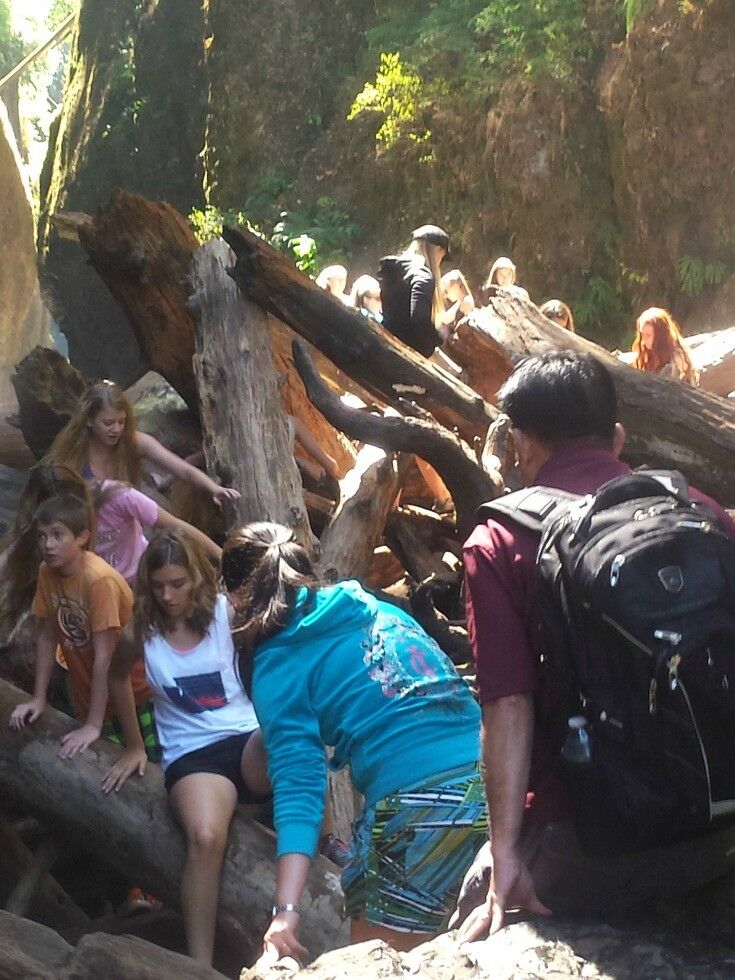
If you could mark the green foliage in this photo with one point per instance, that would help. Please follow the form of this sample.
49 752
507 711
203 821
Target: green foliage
633 9
599 309
534 36
696 275
12 47
59 11
312 240
396 95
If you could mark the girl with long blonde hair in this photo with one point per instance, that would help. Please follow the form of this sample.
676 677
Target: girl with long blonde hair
101 442
660 348
502 276
410 287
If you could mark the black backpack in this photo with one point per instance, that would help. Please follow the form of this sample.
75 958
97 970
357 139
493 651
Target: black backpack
636 590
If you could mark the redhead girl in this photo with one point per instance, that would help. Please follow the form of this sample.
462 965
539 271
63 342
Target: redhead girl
212 752
660 348
334 666
101 442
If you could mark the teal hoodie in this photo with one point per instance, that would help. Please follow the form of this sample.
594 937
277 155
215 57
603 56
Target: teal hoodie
358 674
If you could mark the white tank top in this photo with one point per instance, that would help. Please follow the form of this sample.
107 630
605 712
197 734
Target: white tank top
197 697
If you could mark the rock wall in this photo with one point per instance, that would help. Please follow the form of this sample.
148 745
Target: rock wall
23 319
599 183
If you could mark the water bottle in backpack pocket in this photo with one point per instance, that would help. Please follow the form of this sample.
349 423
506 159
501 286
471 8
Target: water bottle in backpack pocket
637 593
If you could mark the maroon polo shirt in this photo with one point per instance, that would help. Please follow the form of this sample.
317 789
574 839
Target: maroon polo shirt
503 624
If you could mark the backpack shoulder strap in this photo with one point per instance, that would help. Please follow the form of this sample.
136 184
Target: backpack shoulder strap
532 508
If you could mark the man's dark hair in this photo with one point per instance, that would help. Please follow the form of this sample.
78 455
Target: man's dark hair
67 510
561 396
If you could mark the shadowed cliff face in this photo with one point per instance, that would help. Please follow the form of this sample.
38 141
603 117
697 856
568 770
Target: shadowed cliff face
598 186
668 95
132 117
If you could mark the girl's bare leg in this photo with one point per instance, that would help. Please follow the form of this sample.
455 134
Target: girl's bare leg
204 804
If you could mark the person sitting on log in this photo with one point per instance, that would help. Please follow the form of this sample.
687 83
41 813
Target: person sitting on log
101 442
365 297
213 756
458 299
660 347
563 408
502 277
334 280
560 313
334 666
413 304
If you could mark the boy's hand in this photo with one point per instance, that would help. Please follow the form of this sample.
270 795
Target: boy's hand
132 760
78 740
26 714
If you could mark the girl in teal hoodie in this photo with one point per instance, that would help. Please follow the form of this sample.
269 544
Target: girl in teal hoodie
334 666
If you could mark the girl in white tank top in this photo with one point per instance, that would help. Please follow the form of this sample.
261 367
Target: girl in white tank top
213 756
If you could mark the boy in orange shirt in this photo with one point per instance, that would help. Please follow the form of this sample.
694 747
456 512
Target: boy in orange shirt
84 604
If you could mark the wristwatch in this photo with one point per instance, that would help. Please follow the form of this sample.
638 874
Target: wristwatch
287 907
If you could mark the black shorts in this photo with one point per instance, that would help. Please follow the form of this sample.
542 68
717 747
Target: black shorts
222 758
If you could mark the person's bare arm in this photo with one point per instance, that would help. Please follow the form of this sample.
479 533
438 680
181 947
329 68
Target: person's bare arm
165 519
80 739
26 713
152 449
281 937
311 445
134 759
507 738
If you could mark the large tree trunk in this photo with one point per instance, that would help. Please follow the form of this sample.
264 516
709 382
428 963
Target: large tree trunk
134 833
143 251
360 347
369 492
467 482
47 388
245 433
669 424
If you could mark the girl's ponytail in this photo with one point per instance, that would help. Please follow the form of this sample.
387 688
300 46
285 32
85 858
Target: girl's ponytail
263 568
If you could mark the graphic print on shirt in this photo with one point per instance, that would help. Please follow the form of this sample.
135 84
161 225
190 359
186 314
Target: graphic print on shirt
198 692
73 622
406 661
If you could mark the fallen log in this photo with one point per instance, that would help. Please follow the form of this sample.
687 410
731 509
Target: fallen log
143 250
713 355
468 484
356 344
133 832
245 434
369 491
668 424
47 388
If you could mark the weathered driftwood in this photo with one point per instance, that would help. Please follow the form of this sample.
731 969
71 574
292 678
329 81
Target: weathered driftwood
47 388
32 951
143 251
245 433
385 569
357 345
713 355
669 424
134 833
468 484
369 492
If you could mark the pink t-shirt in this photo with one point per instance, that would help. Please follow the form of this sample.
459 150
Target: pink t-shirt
120 522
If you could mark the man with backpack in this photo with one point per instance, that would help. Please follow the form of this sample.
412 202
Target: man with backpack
624 631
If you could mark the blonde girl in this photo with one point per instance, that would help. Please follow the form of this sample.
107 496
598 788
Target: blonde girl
101 442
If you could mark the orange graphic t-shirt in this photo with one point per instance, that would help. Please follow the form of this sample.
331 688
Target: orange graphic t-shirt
97 598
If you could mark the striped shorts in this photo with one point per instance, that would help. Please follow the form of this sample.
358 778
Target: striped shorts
410 852
112 730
